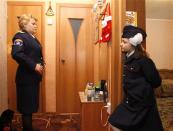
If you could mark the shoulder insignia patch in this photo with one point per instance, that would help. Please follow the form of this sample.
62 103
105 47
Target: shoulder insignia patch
18 42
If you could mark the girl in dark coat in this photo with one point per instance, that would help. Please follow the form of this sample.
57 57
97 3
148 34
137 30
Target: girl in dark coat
27 52
138 110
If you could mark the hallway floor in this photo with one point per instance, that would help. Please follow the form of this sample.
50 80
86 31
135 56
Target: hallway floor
51 122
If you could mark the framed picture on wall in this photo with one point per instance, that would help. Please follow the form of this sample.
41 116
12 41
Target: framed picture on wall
131 18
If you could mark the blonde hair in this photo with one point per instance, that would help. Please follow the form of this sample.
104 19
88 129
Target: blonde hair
24 20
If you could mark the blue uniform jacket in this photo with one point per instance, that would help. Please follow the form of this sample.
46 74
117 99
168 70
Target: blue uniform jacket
26 50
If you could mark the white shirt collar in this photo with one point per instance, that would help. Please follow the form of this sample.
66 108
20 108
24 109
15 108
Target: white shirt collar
131 53
32 35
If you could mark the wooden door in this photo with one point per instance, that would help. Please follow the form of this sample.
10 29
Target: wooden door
15 9
139 7
74 55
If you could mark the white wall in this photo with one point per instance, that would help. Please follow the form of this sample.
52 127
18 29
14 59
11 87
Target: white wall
3 57
160 42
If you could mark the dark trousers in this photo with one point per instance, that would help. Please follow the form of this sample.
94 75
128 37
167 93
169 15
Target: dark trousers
27 122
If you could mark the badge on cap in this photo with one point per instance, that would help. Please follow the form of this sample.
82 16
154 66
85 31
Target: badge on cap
18 42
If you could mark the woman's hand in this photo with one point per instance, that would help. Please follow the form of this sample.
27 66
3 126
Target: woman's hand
39 68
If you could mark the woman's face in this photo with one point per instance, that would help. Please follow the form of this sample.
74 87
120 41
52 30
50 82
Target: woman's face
126 46
31 26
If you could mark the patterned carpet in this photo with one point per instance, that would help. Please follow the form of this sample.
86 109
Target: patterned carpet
165 99
165 107
51 122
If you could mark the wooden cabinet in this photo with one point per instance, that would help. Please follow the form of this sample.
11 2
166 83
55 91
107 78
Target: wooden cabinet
91 115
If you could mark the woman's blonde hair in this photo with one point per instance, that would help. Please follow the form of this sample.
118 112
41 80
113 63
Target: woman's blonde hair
24 19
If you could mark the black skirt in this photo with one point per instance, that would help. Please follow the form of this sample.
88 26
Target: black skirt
27 98
136 119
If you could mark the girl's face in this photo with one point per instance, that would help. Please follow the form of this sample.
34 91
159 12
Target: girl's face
126 47
31 26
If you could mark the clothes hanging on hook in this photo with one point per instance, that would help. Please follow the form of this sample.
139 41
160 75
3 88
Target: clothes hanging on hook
106 25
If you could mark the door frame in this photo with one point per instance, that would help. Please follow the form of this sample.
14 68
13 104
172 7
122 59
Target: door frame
118 9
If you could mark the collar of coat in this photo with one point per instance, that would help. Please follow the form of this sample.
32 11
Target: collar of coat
130 58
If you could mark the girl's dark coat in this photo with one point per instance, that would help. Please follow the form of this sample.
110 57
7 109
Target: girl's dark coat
138 110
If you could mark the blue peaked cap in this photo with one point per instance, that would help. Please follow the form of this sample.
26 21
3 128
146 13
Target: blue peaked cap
130 31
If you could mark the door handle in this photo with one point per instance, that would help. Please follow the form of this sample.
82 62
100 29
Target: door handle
63 61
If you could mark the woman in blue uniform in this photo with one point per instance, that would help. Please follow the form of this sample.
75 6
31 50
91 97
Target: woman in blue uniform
138 109
27 52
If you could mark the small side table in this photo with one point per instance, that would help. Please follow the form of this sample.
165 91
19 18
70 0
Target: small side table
91 114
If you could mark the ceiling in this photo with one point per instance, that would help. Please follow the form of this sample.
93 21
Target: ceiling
159 9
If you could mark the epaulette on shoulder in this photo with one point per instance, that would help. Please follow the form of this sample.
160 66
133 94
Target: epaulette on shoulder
19 34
